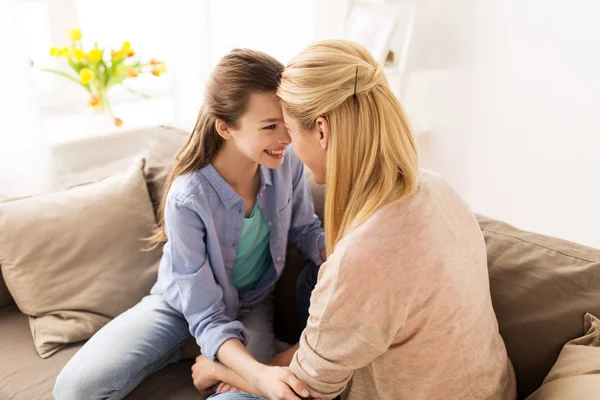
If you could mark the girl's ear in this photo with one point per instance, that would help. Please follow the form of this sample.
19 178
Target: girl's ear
222 129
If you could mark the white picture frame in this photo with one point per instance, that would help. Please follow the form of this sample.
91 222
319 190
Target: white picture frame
372 28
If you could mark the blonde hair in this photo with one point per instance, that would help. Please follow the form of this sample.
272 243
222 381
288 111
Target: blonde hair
238 74
372 157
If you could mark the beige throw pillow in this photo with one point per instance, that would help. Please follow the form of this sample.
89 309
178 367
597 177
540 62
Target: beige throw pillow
580 356
73 260
576 373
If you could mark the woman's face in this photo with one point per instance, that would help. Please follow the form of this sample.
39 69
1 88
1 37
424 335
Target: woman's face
260 134
310 145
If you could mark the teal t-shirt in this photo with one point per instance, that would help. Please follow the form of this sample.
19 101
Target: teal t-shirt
253 253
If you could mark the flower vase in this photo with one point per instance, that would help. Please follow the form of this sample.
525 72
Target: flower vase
100 113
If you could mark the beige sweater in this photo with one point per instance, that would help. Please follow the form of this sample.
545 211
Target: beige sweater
402 308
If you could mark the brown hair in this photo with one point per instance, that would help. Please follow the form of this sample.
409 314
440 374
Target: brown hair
238 74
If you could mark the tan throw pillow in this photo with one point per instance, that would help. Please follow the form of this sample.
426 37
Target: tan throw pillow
73 260
580 356
582 387
576 373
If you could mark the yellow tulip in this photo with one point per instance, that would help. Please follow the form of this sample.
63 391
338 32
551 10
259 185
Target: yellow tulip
132 73
94 55
94 101
86 75
74 34
78 54
126 47
55 52
159 69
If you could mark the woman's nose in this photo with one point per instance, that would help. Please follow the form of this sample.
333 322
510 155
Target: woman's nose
284 137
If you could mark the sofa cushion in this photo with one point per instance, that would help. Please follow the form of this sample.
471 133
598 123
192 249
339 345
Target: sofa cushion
73 260
25 376
580 356
541 289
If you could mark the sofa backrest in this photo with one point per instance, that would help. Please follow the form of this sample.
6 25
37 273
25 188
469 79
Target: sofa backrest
541 289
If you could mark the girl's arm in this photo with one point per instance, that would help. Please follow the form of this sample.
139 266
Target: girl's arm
195 286
218 335
271 382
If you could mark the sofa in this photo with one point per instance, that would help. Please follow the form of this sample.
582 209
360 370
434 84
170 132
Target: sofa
545 291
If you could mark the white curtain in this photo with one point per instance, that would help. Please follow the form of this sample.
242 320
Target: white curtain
25 166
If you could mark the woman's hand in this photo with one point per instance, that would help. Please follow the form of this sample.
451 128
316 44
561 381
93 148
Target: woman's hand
277 383
203 375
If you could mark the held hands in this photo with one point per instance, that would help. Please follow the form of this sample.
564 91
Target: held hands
203 375
277 383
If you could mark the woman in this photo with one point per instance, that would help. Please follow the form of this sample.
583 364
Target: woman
402 307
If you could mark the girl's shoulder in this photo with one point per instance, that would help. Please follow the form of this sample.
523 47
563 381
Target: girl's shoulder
188 186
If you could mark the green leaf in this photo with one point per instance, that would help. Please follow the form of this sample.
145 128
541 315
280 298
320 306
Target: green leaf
144 95
68 76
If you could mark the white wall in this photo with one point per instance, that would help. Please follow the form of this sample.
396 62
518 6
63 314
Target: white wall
521 141
534 155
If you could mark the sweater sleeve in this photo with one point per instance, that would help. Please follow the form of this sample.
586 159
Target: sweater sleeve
354 317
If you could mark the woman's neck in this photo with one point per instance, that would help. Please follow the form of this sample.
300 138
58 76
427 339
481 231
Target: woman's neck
239 171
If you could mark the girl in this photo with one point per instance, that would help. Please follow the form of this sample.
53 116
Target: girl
235 199
402 307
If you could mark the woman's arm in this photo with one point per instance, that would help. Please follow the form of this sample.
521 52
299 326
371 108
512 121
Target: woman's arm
354 319
271 382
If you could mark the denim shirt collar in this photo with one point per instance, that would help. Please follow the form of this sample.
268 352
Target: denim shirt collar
228 196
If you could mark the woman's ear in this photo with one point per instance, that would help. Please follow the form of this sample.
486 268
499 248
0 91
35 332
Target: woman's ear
323 129
222 129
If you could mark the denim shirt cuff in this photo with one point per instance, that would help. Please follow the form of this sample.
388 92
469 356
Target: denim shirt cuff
231 330
319 244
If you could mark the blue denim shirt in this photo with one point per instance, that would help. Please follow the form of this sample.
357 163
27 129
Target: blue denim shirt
203 221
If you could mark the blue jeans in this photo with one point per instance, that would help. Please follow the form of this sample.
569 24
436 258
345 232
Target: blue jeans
236 396
142 341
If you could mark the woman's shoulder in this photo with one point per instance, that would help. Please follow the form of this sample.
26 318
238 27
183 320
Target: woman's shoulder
418 223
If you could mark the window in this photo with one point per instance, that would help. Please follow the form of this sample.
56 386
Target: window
44 23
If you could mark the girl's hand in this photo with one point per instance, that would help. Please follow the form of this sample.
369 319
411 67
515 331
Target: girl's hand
284 358
203 375
324 255
226 387
277 383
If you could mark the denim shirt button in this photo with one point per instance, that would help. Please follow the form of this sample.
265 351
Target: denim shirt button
279 259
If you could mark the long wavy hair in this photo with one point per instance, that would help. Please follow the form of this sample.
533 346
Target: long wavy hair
237 75
372 157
